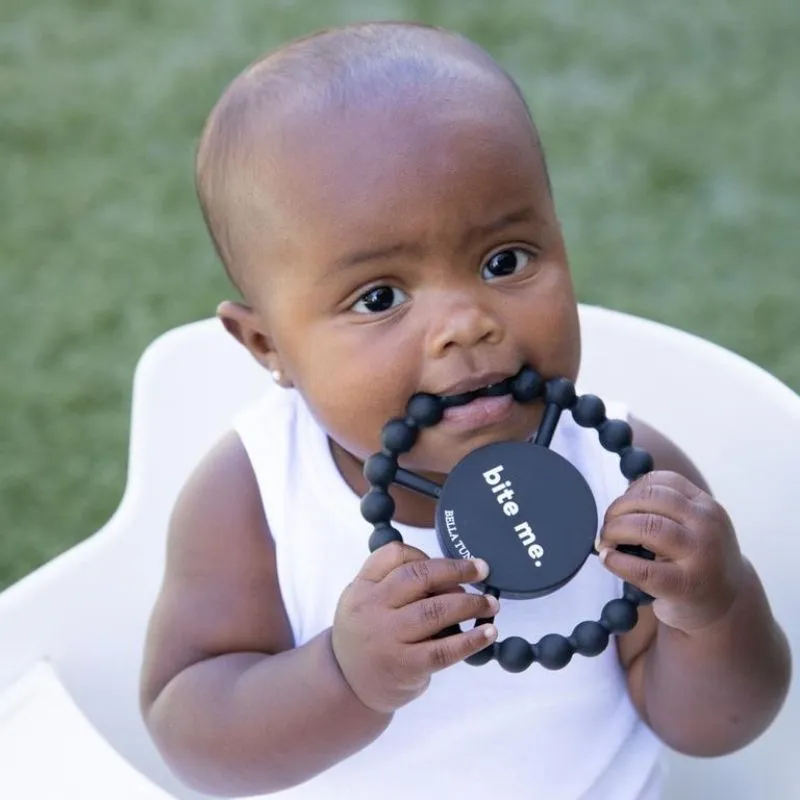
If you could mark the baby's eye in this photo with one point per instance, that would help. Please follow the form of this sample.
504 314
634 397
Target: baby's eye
381 298
506 262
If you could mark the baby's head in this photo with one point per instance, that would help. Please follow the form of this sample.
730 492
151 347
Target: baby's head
380 198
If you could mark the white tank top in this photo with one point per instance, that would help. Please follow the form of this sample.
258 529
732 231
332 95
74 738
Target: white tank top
570 734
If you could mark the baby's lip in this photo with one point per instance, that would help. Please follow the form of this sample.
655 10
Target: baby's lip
487 384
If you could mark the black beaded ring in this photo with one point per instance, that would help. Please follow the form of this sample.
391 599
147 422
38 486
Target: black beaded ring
560 503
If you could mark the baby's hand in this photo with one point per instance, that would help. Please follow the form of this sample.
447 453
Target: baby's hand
698 569
387 617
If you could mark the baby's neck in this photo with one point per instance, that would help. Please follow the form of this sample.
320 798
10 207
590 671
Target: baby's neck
410 508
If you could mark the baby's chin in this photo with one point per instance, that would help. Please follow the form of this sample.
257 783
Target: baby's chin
436 459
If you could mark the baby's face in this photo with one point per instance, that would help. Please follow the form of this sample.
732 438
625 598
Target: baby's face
414 251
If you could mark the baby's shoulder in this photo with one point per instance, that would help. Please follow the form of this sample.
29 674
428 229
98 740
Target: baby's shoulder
219 502
667 455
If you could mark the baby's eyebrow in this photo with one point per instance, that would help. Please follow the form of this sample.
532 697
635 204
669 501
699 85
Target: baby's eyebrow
414 250
407 249
484 230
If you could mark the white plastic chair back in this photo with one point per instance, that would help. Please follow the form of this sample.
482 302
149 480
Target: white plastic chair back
87 610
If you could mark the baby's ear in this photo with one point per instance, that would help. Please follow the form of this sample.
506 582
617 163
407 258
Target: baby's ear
245 325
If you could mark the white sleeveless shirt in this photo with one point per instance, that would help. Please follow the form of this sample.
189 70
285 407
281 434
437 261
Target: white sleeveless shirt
569 734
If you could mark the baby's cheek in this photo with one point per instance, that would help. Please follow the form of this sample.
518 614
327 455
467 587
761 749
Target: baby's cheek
355 413
563 351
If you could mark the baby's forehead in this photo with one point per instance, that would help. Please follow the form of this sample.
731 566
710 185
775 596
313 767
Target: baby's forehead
283 110
380 130
346 74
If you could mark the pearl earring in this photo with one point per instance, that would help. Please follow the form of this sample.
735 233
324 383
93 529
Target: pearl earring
276 375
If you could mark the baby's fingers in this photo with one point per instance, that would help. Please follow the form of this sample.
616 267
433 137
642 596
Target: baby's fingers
651 496
438 654
418 579
660 579
387 558
428 617
662 536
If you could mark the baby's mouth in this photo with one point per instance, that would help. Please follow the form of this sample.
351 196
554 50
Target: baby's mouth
496 389
494 392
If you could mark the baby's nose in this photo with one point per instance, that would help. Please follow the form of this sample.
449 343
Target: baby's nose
462 322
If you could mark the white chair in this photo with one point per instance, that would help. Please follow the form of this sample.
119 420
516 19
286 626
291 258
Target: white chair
86 611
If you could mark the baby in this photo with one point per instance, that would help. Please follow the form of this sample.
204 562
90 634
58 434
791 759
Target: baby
379 197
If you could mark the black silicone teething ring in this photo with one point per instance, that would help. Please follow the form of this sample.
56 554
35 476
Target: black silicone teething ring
540 513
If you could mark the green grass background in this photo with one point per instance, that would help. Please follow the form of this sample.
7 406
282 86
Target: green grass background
672 131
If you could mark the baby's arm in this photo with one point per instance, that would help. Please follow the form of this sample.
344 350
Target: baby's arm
706 686
232 705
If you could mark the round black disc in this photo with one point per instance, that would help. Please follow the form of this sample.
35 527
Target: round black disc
525 510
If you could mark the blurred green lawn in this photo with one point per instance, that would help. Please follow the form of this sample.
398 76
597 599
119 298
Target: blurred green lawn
672 131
